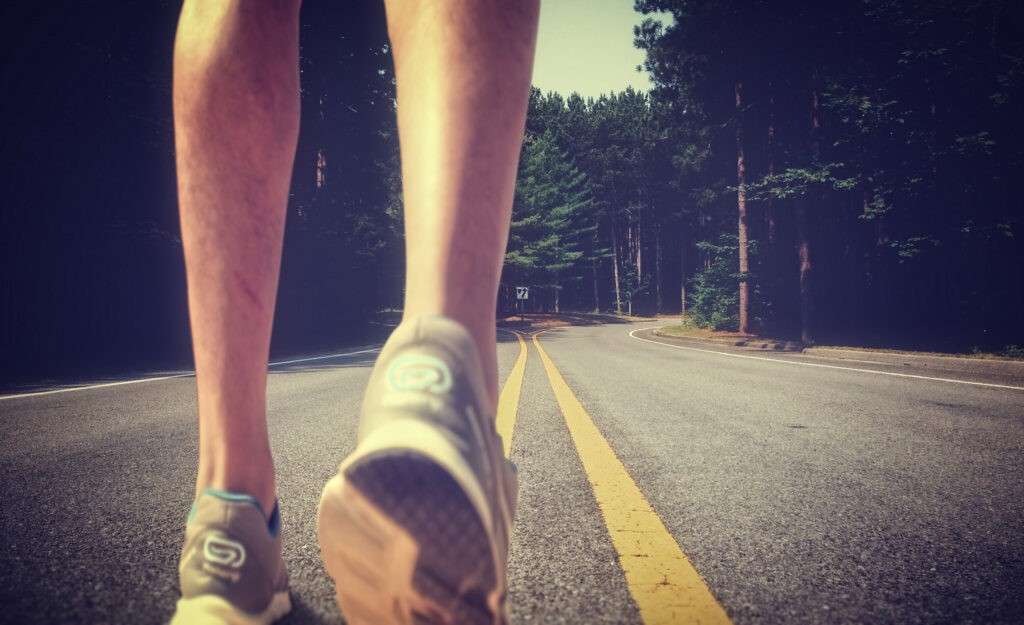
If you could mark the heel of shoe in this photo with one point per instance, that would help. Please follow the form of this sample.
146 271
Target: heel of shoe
404 544
369 556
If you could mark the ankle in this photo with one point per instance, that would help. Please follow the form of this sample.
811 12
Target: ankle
260 488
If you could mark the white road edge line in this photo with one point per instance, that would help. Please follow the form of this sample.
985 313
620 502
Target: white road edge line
177 375
92 386
289 362
813 364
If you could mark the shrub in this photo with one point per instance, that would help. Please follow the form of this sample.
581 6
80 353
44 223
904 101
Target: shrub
714 300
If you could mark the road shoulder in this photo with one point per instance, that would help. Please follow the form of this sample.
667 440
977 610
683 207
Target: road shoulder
983 371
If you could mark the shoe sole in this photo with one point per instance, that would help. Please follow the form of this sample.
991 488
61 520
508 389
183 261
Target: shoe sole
211 609
405 544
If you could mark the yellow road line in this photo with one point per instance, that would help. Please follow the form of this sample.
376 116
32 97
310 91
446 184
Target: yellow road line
666 587
508 401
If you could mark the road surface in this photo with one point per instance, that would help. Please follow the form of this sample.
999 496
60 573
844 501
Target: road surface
800 490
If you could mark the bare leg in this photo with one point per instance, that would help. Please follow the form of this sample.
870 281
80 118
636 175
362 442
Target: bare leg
236 115
463 72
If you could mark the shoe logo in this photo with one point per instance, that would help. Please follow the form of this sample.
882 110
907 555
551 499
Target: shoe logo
419 373
224 551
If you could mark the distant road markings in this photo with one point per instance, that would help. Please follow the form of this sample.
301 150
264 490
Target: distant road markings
666 587
177 375
508 401
814 364
291 362
92 386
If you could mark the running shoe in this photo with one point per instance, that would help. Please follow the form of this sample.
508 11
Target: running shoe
231 569
415 527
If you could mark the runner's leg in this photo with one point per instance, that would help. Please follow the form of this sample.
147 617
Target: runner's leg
236 115
463 73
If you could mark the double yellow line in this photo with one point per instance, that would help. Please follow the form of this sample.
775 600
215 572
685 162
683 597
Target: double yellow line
665 586
508 401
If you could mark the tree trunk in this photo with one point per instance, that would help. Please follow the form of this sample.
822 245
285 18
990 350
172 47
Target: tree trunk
741 202
657 270
806 294
682 276
772 225
803 236
771 258
880 294
597 290
615 270
639 258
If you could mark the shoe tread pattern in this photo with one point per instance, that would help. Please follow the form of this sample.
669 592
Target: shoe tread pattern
455 568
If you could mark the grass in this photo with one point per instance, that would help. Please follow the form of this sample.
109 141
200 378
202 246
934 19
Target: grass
687 329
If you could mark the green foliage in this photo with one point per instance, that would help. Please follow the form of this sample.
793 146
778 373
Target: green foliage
1013 351
909 248
713 295
797 182
881 149
632 284
876 134
549 228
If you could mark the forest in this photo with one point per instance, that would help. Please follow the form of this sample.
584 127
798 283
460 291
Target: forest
835 172
830 173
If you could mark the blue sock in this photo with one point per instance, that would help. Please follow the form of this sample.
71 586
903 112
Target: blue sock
273 521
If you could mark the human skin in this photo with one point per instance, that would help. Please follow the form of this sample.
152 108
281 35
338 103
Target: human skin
463 75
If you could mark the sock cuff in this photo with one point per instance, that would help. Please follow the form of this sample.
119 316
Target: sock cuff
273 519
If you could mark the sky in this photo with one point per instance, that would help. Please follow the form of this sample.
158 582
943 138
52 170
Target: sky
587 46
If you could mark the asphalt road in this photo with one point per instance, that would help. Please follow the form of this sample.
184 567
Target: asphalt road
801 494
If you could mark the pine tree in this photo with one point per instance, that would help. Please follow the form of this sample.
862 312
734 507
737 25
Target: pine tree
549 238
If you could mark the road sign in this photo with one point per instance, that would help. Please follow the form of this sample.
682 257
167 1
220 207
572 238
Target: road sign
522 292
